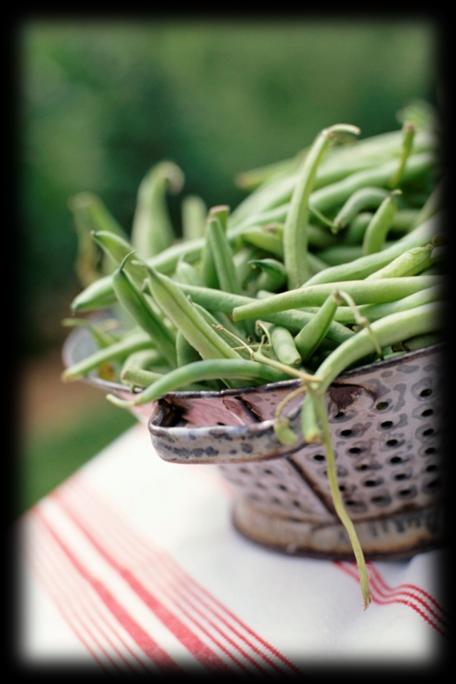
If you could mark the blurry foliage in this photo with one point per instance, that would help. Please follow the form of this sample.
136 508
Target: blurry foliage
102 102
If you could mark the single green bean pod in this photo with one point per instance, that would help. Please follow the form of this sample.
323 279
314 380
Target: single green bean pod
310 337
118 248
200 371
404 220
101 336
295 239
90 211
119 350
184 351
266 239
408 136
194 213
284 346
362 291
272 274
365 198
223 257
410 263
380 224
143 360
432 205
186 273
90 214
135 303
152 231
175 305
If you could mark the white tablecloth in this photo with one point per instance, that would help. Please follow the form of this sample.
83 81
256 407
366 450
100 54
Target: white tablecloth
133 563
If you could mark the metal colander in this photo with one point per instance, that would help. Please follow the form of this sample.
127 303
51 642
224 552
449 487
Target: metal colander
385 428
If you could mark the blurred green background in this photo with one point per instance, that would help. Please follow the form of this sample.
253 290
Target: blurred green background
101 102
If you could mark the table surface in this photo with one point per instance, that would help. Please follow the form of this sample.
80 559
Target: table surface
133 564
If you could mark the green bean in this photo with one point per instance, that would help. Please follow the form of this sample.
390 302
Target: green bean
90 210
129 344
101 337
309 338
203 370
431 206
363 292
340 254
98 295
278 214
408 136
207 269
373 312
184 351
223 257
118 249
337 500
309 422
152 231
90 214
214 300
365 198
380 224
231 336
136 305
320 217
404 220
412 262
175 305
143 359
420 341
136 369
295 239
316 263
139 377
186 273
266 240
242 260
365 265
221 213
272 274
320 238
388 330
284 346
193 217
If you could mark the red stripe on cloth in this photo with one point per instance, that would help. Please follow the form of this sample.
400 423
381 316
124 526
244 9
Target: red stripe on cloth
203 653
67 614
412 587
181 591
138 634
86 621
378 598
80 592
400 591
76 483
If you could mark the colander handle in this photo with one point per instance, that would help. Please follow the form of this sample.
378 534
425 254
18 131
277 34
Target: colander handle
244 440
240 443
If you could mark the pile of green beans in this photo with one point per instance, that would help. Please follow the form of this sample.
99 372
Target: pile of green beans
332 257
